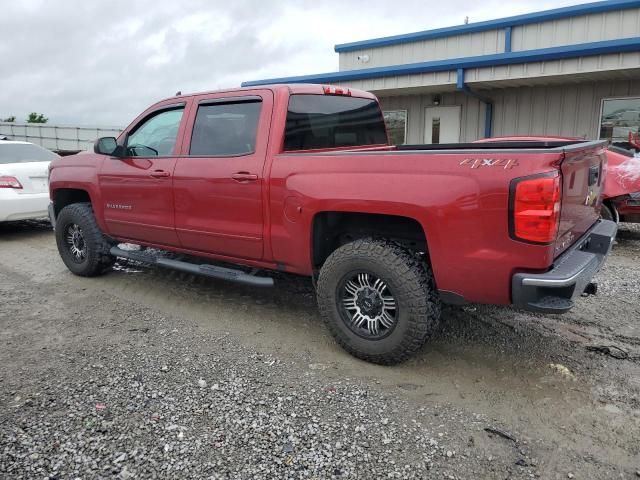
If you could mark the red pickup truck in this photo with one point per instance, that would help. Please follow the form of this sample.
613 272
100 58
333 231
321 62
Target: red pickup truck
302 179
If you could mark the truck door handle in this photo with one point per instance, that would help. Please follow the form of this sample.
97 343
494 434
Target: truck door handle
244 177
159 174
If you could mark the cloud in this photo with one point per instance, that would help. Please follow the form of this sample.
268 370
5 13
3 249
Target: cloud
102 62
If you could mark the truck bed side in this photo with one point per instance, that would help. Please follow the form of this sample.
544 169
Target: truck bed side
459 197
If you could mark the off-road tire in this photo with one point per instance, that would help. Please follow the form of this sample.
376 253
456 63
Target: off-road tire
97 259
408 277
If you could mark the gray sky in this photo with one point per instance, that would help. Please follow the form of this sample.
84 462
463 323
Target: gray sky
101 62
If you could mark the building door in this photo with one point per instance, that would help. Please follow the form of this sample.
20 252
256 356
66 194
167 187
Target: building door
442 124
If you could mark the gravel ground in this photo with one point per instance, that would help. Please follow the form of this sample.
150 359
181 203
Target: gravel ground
146 373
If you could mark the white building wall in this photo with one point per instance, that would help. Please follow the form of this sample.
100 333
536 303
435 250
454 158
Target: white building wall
574 30
399 82
568 31
456 46
567 70
569 67
471 121
570 110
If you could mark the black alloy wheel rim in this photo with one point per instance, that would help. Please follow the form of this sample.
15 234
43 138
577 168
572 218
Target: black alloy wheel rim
75 242
367 305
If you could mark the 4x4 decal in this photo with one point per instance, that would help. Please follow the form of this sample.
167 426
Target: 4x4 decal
506 163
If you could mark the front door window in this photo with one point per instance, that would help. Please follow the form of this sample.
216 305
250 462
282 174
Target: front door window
156 136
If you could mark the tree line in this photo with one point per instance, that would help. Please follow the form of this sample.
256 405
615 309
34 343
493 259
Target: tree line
33 117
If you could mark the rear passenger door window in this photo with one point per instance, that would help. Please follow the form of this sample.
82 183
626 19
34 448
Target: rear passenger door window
226 128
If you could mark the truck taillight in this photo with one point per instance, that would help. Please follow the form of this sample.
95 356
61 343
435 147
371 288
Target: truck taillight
9 182
535 208
336 91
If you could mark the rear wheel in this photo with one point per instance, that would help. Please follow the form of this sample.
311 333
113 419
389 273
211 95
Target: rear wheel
606 213
378 300
82 246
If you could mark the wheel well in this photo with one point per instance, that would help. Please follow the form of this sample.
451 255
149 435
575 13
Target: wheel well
334 229
611 205
67 196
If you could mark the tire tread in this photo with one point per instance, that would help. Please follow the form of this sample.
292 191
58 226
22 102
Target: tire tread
414 277
99 259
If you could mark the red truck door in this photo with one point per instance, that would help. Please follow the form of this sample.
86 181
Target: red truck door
137 188
218 180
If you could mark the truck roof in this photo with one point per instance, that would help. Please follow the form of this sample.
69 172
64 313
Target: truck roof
292 89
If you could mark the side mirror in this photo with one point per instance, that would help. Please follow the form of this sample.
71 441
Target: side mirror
106 146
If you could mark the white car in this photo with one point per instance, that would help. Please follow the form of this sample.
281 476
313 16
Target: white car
24 184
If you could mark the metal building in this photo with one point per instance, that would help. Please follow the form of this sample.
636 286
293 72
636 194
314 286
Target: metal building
569 71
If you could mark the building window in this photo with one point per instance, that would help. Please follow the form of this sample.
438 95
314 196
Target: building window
396 121
435 130
618 117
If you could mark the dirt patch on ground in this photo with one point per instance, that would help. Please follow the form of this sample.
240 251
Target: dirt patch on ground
149 373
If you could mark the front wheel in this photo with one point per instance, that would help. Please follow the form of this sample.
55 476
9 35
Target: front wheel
378 300
82 246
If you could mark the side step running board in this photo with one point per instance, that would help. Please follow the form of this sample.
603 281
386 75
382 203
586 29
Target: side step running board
206 270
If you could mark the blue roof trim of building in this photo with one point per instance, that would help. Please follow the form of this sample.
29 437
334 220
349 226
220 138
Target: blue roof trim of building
507 38
556 13
507 58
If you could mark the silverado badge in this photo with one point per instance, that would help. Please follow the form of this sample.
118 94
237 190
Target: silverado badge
118 206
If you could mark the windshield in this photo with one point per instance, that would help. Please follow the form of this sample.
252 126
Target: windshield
328 121
24 153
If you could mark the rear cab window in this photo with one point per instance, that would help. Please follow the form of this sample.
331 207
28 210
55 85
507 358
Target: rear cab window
333 121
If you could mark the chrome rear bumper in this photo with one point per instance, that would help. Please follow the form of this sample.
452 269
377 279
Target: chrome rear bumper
555 291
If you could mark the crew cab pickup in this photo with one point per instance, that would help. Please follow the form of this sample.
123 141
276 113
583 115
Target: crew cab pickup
302 179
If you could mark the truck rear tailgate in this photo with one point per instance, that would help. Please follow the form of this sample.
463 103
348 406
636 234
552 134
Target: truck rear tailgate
583 170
